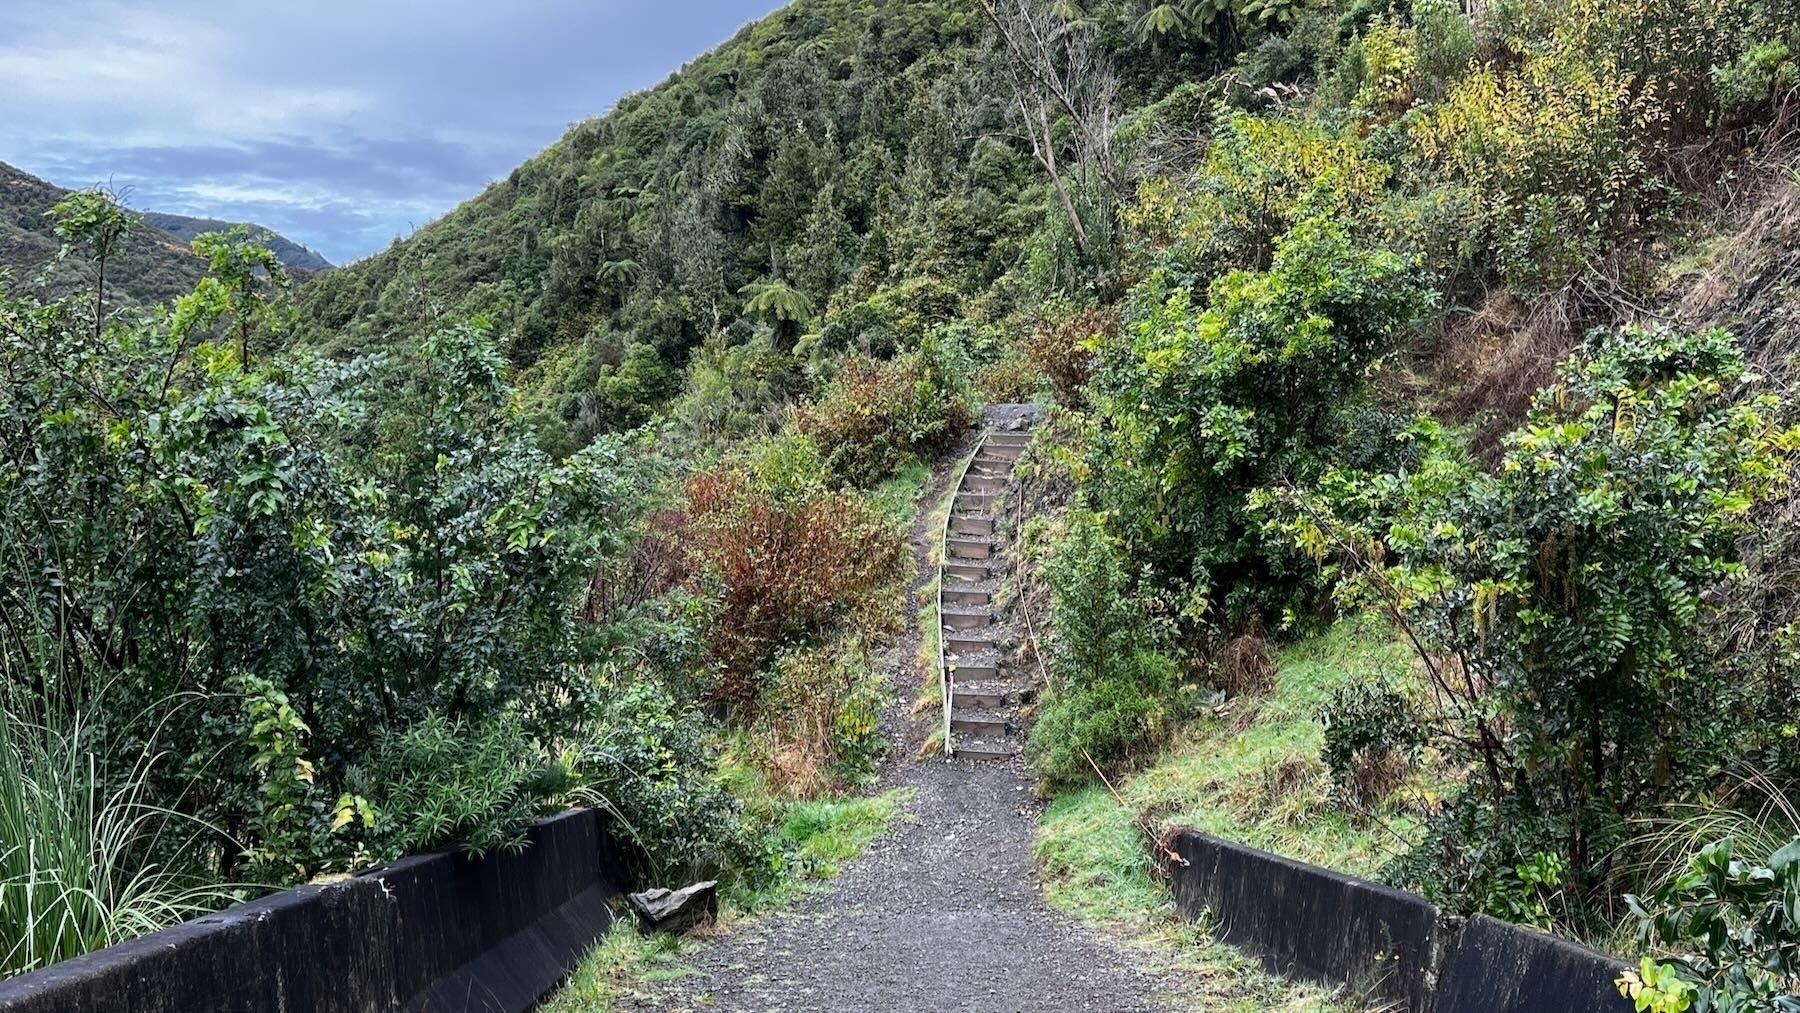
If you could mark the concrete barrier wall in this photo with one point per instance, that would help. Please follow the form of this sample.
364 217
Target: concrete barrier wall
1388 944
439 932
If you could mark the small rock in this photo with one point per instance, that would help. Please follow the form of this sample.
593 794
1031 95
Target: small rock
676 911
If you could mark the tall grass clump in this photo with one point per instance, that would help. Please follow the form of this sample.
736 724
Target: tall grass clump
86 859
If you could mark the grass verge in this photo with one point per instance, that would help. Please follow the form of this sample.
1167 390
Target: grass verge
1249 772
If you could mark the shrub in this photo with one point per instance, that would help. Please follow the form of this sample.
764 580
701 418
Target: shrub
1201 406
650 762
1011 378
791 565
1560 604
439 782
1372 737
1244 665
378 541
820 722
1736 925
875 415
1111 689
1063 351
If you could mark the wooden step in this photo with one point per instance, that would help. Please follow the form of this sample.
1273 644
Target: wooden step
966 642
966 524
977 698
968 569
978 666
985 749
968 596
974 502
985 483
978 724
993 468
967 619
968 548
1020 440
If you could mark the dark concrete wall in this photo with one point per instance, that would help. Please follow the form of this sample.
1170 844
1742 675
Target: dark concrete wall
1500 968
1391 945
1310 922
440 932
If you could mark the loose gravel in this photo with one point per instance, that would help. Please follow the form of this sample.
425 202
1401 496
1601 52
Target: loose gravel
943 913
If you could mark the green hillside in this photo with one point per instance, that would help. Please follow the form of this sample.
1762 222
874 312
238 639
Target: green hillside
1414 490
300 260
152 267
842 167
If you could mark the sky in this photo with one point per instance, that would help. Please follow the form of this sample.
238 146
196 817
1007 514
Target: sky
339 123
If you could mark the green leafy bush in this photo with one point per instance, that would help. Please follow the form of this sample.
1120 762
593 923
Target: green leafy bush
651 763
1112 692
821 719
1559 604
1735 925
1372 737
1203 405
308 554
476 783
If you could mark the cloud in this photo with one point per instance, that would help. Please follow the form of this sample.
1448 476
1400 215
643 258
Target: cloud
341 123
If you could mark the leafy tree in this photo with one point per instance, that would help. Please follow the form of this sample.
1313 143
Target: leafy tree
94 219
1559 605
1202 406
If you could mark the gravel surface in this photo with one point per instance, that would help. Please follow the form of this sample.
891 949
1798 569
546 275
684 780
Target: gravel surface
944 913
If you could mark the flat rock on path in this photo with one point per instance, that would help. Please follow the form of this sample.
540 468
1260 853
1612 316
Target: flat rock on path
943 913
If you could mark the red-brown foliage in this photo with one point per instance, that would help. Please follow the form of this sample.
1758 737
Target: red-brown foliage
1059 350
788 570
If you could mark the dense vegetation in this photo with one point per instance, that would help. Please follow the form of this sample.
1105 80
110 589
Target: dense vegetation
1353 314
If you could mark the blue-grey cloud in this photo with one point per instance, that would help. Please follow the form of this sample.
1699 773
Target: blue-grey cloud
341 123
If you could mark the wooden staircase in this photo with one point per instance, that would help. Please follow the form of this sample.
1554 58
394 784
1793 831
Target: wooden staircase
980 703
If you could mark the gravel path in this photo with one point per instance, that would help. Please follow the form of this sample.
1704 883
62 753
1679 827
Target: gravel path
944 912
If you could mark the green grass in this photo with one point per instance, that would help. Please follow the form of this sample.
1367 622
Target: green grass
815 838
898 497
618 968
1249 773
810 841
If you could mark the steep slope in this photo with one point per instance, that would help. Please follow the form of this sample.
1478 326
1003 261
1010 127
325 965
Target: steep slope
152 266
840 161
297 258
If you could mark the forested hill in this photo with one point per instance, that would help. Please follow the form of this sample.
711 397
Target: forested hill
155 263
301 260
843 167
151 266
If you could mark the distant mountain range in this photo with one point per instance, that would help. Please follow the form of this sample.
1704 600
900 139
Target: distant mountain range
292 254
156 263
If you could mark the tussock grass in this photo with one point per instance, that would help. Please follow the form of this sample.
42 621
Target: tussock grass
87 860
